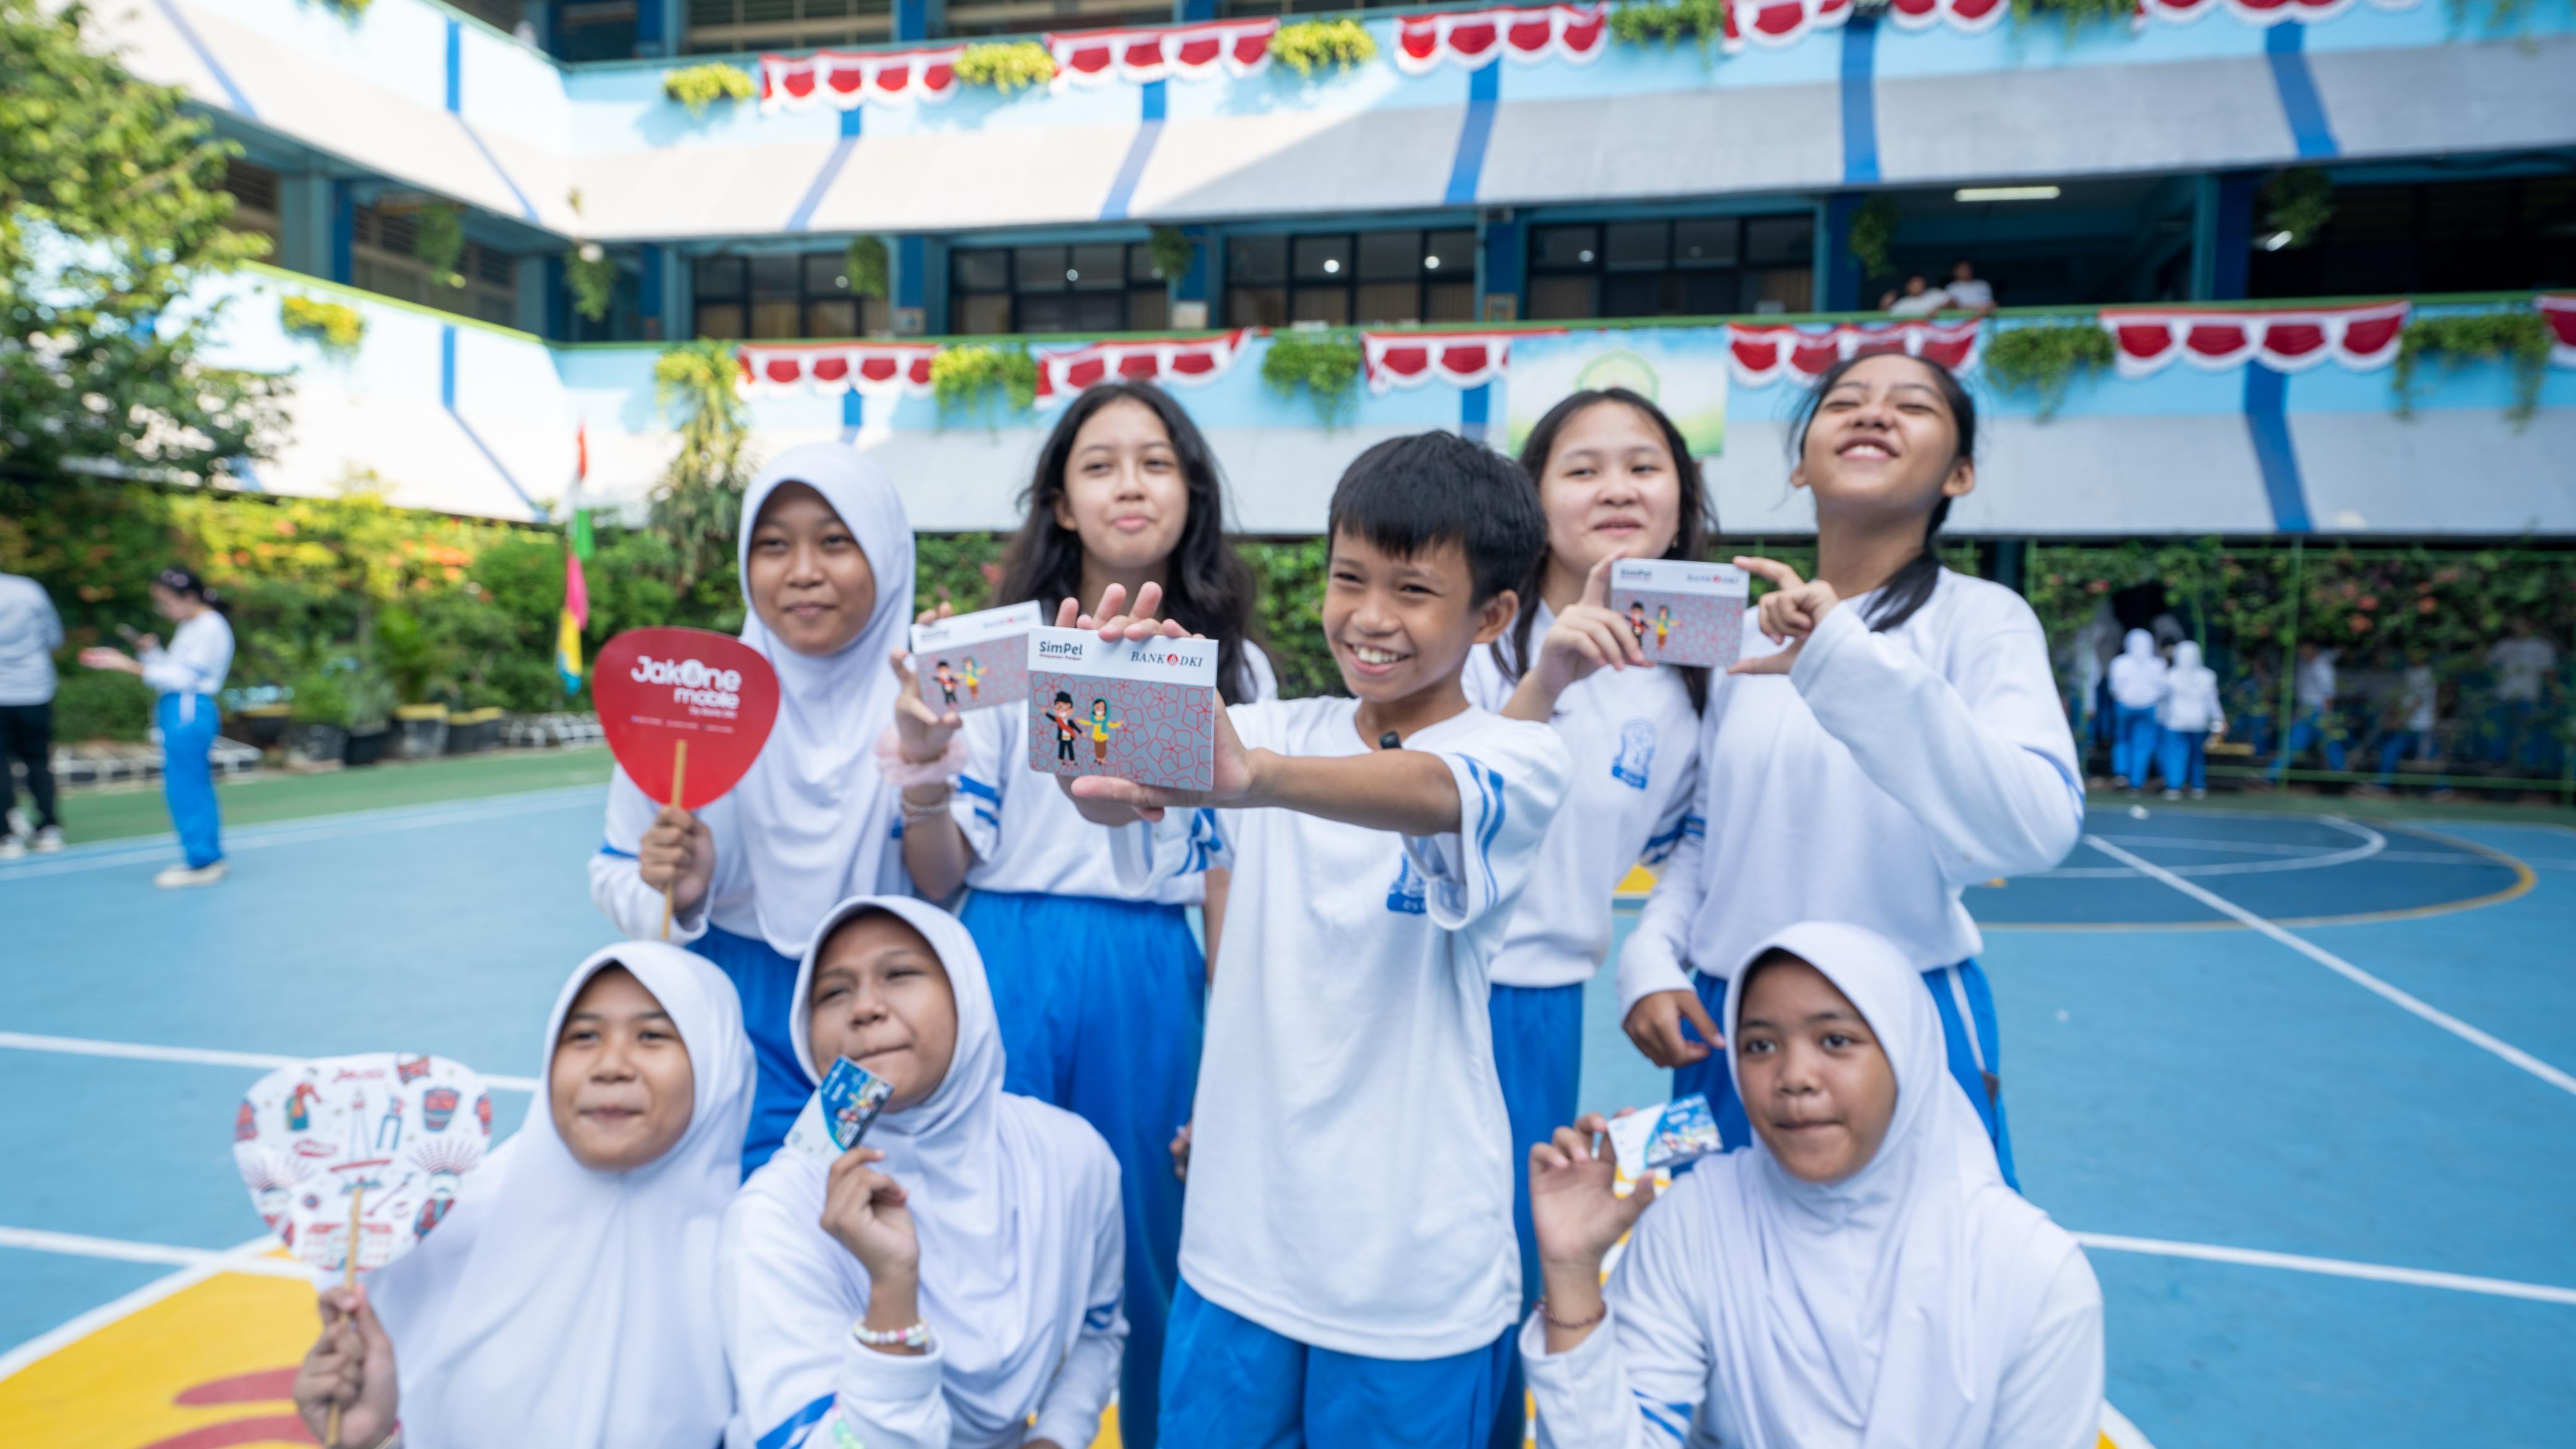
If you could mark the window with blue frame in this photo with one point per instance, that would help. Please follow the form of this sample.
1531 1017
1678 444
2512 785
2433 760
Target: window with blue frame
725 26
781 294
1702 266
1021 17
1351 278
2488 234
1087 287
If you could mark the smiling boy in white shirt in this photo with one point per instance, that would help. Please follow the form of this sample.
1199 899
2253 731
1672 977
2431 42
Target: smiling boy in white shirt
1347 1261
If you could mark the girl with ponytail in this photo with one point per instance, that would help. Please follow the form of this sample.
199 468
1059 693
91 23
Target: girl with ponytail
1891 737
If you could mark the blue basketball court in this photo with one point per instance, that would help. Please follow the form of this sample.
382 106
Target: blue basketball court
2300 1082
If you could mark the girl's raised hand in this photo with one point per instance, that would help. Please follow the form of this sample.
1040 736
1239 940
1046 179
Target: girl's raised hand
922 733
1115 621
351 1366
864 1211
1576 1215
1790 612
678 854
1587 636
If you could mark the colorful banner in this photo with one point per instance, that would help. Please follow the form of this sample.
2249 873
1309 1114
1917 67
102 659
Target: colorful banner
1682 371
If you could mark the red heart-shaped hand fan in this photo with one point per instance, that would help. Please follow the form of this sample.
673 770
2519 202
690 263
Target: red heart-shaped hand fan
658 689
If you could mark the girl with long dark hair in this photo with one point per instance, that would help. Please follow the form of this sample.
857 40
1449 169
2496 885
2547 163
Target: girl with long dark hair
1615 479
1101 993
1897 739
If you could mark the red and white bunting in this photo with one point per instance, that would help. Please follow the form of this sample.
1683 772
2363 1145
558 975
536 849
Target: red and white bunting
1165 361
1471 39
870 369
2261 13
1761 355
1774 23
1410 359
2363 339
843 79
2559 312
1190 52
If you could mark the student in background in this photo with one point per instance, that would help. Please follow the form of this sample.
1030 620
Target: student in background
1967 290
1892 718
2524 666
1101 989
954 1281
30 632
2415 714
2313 687
1860 1276
2187 719
826 560
1348 1274
569 1297
2137 687
1919 299
1615 480
186 677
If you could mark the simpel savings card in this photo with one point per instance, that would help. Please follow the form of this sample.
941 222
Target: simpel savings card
1681 612
975 661
1142 711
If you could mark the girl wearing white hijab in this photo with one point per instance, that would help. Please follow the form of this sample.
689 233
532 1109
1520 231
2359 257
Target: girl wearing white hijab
2137 687
1859 1277
568 1298
956 1279
2186 718
826 564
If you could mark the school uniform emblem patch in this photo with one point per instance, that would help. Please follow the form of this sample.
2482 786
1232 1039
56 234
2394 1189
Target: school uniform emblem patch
1635 764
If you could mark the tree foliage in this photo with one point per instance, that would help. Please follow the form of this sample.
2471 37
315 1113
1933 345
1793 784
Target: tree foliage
698 505
111 211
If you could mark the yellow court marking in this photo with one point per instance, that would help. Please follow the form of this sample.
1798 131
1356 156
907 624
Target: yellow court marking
209 1367
1638 882
2523 880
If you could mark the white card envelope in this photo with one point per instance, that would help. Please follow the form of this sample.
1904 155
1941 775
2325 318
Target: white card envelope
975 661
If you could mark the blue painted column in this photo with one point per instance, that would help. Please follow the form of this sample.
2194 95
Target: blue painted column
911 22
2222 232
1860 99
1194 288
344 230
2267 425
1475 412
1186 11
1499 268
1838 278
649 296
919 304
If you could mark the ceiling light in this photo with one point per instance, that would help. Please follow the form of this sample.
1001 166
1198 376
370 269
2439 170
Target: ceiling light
2005 193
1331 265
1071 275
2275 241
1583 256
1431 264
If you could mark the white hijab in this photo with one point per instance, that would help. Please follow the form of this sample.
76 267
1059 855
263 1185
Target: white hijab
996 1197
2138 676
572 1308
1882 1309
812 821
2188 673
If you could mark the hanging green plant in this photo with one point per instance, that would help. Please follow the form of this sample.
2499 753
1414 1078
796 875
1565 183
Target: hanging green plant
1324 363
336 329
351 9
438 241
1872 238
1307 46
700 86
965 379
2519 339
590 274
1006 66
1670 23
2045 358
2074 12
2297 204
1173 252
870 273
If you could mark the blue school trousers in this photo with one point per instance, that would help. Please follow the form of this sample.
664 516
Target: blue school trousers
1538 1054
766 982
188 775
1229 1383
1102 1005
1961 994
2308 729
2181 755
2133 743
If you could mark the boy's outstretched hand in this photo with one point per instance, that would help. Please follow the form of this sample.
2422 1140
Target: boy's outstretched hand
1104 800
1578 1218
1790 612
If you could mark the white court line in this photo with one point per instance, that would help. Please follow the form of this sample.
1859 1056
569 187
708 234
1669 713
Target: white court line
246 1258
44 1344
2332 962
199 1056
2331 1267
110 854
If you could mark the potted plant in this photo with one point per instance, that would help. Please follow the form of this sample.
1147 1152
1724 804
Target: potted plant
421 731
264 726
473 730
317 732
371 707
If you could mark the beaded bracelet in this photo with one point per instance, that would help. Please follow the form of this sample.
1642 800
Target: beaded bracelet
1553 1321
917 1336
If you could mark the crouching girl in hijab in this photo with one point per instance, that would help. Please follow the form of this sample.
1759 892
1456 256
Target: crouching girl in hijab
568 1298
955 1279
1859 1276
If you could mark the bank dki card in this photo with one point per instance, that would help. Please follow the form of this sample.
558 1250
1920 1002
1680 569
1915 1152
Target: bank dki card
839 1113
975 661
1142 711
1681 1130
1681 612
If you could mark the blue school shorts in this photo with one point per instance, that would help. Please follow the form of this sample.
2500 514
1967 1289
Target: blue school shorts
1229 1383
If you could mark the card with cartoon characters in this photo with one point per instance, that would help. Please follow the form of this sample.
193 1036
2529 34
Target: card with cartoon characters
975 661
1682 612
840 1112
406 1128
1142 711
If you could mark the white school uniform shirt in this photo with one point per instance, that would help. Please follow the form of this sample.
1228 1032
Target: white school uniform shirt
30 632
199 655
1930 301
2521 666
1632 744
1025 833
1015 1206
1351 1164
2190 705
1872 784
2314 681
2138 675
812 821
2420 694
1917 1304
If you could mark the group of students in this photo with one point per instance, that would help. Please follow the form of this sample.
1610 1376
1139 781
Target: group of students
2164 712
1324 1182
